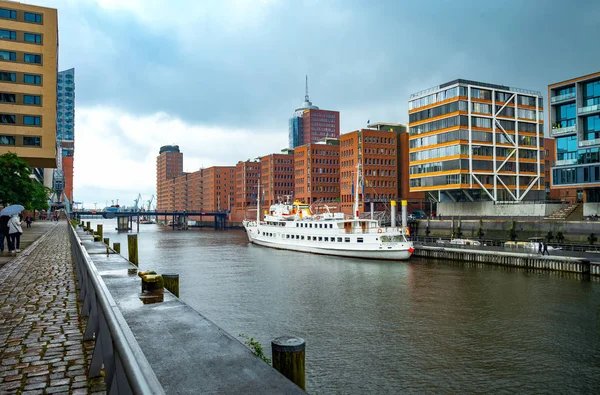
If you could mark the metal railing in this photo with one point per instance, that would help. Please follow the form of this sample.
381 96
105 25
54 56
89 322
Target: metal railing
565 130
586 109
126 369
559 98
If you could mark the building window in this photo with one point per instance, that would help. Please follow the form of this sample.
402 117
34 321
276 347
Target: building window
7 140
32 58
32 99
7 118
33 38
8 14
8 35
7 97
33 17
32 79
7 55
32 120
32 141
8 77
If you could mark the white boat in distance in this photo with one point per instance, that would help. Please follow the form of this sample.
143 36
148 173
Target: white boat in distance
292 226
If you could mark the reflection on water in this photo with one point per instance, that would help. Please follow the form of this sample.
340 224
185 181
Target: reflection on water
380 327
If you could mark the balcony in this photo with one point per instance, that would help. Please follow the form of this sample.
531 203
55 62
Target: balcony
561 98
562 131
565 162
589 143
588 109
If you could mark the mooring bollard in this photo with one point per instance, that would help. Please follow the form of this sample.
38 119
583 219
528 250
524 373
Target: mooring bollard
106 241
100 230
288 358
172 282
117 247
88 226
132 247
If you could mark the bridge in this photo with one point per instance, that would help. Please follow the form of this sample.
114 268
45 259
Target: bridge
179 218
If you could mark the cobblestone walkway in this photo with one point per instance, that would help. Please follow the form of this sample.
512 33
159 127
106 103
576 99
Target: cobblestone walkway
41 335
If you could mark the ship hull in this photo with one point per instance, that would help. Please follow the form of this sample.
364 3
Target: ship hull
381 251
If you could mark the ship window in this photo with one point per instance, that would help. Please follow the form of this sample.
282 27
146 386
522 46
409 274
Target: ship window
297 225
330 225
347 239
310 226
333 239
320 238
301 237
359 240
326 239
287 236
339 239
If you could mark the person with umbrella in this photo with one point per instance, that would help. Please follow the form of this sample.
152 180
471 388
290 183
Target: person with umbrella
14 226
4 233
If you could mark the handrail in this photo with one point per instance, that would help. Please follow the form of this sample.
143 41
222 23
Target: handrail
126 368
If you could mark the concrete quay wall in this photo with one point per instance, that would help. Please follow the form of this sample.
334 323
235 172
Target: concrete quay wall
489 209
494 229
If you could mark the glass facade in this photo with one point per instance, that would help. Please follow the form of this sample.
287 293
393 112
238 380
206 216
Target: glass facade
65 107
577 155
295 134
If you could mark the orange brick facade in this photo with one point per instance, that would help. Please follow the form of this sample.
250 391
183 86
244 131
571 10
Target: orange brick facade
218 184
318 125
277 178
317 172
376 151
247 176
169 165
67 163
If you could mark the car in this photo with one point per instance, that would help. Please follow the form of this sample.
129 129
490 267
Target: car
419 214
411 217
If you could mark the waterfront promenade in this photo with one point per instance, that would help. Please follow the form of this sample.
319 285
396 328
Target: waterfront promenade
41 335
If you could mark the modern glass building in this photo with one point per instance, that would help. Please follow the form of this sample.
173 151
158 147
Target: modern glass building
473 141
65 135
296 131
575 119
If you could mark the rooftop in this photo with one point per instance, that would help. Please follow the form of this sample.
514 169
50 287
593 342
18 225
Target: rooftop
475 83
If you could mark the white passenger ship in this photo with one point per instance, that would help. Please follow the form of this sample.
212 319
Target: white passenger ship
292 226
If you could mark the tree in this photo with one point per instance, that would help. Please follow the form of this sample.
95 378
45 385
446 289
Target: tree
39 199
16 185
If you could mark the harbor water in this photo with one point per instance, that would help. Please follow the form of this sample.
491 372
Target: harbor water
379 327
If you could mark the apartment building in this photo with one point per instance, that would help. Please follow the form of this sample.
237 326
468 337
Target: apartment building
574 117
169 166
317 172
218 185
377 153
28 77
277 177
474 141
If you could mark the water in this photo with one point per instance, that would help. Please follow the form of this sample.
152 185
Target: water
381 327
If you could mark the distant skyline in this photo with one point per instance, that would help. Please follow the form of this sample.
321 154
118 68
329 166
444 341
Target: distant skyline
222 78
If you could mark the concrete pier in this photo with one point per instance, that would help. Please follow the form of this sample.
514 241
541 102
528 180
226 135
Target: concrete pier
510 259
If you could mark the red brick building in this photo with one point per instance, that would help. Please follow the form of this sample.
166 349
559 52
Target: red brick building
277 177
169 165
318 125
317 172
377 153
218 188
247 175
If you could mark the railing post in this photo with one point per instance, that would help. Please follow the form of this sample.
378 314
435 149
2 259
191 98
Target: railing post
117 247
100 230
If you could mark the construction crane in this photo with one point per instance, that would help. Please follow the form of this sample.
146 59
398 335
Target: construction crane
137 201
150 203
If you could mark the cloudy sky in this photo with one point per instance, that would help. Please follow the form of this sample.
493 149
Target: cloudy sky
221 78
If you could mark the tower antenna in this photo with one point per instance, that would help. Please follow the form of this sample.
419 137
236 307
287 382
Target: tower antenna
306 90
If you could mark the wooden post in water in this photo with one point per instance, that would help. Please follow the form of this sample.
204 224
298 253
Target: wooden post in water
172 282
288 358
132 247
117 247
88 226
99 230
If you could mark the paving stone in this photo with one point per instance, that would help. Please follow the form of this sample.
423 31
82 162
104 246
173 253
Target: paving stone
41 333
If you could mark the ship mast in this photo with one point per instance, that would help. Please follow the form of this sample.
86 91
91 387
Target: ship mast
258 205
356 192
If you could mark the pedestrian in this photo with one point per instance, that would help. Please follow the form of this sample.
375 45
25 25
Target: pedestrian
545 249
540 247
28 220
15 231
4 233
